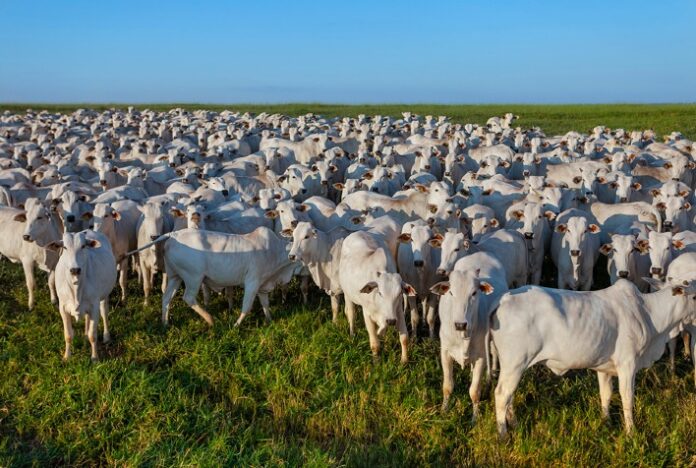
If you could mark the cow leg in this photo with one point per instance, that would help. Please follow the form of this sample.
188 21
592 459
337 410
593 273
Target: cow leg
250 290
350 315
605 390
190 293
372 334
686 340
147 283
403 336
104 311
672 345
164 283
693 354
431 303
52 287
28 266
229 293
447 377
494 358
334 308
304 288
92 335
475 387
507 383
263 299
415 319
87 325
627 379
172 286
123 275
206 295
68 332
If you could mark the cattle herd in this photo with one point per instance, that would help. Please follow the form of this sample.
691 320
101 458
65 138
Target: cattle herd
429 226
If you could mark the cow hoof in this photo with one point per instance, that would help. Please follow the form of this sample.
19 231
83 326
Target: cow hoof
445 405
107 338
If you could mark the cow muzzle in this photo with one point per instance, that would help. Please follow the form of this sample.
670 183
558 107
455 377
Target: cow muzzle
529 235
102 183
441 272
391 322
574 253
418 263
70 218
75 271
656 271
292 257
155 237
225 192
460 326
623 274
27 238
668 225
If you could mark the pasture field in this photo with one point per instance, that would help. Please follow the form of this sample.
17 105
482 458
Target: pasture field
300 390
553 119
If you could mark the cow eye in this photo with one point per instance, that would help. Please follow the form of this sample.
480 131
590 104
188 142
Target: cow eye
306 237
474 293
457 249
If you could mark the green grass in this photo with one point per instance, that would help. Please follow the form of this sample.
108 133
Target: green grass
299 391
553 119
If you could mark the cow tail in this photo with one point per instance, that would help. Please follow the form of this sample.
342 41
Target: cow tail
161 238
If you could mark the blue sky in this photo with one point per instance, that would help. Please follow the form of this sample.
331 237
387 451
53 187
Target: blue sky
348 51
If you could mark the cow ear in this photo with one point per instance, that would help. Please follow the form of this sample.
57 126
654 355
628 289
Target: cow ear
593 228
421 188
435 242
177 212
683 193
440 288
368 175
408 289
661 206
687 206
302 207
577 179
677 244
613 185
277 196
486 287
87 215
636 186
333 168
667 165
561 228
356 220
55 245
550 215
405 238
494 222
272 214
286 232
606 159
432 209
20 217
518 214
282 178
605 249
678 291
255 199
314 168
601 180
518 158
116 215
369 287
93 243
643 246
655 192
338 186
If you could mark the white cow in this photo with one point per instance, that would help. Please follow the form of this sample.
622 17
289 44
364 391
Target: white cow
368 278
615 331
85 276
